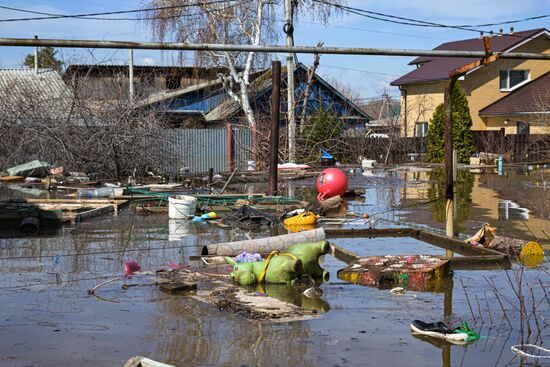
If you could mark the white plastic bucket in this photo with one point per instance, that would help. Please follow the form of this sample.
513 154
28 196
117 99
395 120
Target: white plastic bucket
181 206
368 163
178 229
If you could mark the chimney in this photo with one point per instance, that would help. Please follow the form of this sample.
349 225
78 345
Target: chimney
511 30
481 34
500 32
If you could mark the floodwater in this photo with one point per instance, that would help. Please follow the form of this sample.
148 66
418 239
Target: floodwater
48 319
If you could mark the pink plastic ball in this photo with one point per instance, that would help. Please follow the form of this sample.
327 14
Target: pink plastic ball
331 182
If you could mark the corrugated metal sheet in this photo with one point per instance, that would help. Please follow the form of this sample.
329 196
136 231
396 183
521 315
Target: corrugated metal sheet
195 149
201 149
243 148
44 91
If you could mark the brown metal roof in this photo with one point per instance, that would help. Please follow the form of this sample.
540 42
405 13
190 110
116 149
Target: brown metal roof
528 99
437 68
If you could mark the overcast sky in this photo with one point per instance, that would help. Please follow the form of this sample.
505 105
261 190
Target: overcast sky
367 75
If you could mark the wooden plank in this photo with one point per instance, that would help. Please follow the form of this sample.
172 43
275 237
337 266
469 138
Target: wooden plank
178 287
489 262
455 245
342 254
12 179
369 232
77 201
79 217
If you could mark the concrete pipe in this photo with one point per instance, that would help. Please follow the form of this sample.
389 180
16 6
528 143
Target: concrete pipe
264 245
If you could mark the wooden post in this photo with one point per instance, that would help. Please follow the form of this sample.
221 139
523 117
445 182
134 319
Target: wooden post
275 121
449 185
210 175
230 147
502 140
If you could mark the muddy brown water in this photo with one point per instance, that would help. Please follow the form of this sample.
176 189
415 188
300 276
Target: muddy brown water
48 319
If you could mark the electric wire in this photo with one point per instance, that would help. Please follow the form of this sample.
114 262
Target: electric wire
422 23
431 24
95 16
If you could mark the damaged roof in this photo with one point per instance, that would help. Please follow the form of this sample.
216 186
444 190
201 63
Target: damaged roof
262 85
437 68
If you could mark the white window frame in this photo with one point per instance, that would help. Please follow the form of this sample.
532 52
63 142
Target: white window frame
424 130
508 79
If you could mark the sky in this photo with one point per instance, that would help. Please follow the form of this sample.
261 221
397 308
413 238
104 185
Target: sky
368 76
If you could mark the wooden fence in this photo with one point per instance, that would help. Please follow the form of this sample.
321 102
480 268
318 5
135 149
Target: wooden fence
515 148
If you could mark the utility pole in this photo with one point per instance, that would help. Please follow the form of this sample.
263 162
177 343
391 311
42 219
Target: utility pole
36 57
448 137
291 118
275 121
131 74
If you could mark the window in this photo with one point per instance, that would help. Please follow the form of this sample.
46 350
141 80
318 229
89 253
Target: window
523 128
421 129
510 79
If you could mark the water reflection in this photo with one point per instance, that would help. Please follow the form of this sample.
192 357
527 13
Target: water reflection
293 295
517 203
186 332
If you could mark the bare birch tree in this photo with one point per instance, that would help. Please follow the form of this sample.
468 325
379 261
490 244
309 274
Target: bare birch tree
251 22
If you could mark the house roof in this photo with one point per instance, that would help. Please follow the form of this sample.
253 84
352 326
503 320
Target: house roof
531 98
437 68
262 85
168 95
105 69
42 93
230 107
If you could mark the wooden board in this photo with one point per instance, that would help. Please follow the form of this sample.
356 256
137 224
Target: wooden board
12 179
57 211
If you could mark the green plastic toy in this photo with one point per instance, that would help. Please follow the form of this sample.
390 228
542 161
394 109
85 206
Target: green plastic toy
309 253
282 267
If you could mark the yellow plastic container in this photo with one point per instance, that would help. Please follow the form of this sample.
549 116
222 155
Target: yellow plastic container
306 218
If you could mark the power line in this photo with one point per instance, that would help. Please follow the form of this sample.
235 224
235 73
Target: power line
95 16
368 30
392 18
432 24
422 23
359 70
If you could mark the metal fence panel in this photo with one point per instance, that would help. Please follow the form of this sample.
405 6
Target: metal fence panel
195 149
201 149
242 148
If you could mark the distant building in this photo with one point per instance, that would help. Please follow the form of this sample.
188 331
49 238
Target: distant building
196 97
513 95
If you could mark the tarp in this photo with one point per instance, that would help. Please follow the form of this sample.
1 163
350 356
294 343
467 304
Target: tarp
34 168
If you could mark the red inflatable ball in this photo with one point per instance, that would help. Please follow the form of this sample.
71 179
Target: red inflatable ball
331 182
